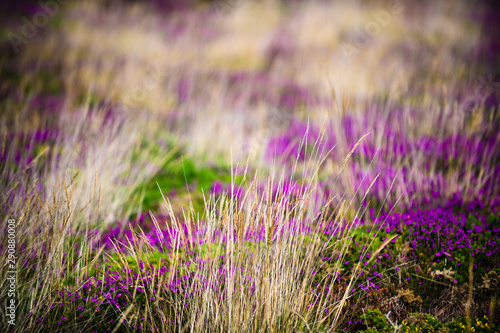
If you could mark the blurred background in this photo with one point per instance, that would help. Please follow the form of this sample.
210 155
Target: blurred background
229 79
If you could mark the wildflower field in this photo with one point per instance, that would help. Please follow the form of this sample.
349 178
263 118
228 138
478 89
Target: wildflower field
250 166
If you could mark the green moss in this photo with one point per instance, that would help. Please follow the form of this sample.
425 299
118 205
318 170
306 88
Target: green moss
180 174
375 321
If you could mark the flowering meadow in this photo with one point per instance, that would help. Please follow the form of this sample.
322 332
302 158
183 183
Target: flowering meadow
250 166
